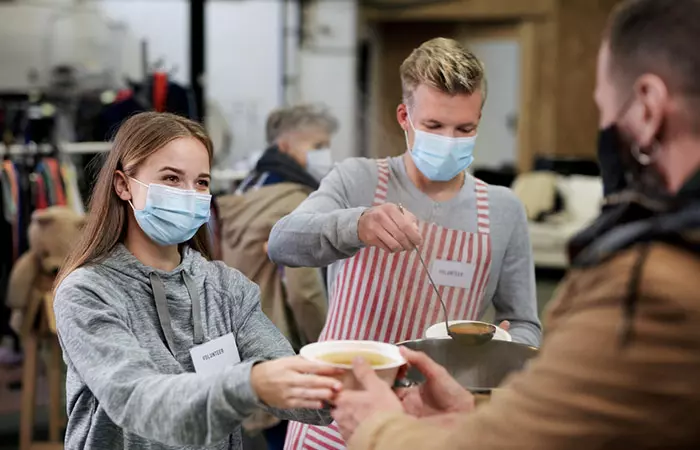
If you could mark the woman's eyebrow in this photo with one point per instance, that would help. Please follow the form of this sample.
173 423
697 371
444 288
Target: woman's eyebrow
171 169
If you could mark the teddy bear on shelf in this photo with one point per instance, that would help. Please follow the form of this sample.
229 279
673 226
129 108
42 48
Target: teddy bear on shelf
52 233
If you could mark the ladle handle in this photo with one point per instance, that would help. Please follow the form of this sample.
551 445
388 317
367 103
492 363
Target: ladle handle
432 282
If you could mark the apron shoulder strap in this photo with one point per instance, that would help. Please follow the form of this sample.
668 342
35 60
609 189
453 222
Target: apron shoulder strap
483 221
382 182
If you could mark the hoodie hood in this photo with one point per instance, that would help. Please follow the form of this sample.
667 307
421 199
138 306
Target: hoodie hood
122 260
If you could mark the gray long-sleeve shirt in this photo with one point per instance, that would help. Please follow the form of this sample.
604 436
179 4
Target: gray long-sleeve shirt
126 390
323 231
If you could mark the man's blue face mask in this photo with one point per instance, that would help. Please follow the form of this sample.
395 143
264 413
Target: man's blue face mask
441 158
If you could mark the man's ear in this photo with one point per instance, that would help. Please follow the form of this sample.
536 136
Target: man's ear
654 96
121 185
284 145
402 117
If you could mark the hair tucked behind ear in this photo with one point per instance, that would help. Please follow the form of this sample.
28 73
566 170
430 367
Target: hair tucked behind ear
137 139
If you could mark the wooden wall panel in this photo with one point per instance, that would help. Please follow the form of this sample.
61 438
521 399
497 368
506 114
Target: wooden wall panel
465 10
527 138
580 27
544 66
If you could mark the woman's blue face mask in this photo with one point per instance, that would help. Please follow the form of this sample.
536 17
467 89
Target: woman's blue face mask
441 158
171 215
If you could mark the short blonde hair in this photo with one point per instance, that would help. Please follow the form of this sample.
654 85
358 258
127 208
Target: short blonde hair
444 64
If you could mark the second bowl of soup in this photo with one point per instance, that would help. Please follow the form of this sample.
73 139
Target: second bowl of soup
385 359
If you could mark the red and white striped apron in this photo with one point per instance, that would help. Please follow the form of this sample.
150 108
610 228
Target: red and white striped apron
387 297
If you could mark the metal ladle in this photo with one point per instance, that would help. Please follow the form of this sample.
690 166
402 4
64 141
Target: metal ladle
432 282
468 339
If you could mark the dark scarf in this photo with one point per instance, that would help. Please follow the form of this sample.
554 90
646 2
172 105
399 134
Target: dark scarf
286 167
632 219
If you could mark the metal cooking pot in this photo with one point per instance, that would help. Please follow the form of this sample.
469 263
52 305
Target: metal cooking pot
478 368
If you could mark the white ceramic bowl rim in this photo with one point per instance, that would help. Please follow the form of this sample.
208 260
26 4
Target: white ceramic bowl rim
311 351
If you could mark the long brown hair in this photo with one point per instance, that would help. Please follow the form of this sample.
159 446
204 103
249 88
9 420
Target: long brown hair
138 138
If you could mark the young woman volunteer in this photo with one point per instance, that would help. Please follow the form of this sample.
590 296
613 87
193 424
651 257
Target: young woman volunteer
164 347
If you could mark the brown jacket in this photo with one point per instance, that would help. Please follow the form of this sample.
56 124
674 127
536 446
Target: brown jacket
293 298
586 390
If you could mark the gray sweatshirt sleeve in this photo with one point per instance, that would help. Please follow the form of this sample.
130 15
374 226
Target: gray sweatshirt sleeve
515 298
174 409
258 338
323 229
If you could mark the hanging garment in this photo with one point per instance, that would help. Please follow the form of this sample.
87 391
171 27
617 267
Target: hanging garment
70 180
65 175
10 173
41 200
380 295
6 262
160 91
53 169
112 116
180 100
40 172
9 200
25 205
47 185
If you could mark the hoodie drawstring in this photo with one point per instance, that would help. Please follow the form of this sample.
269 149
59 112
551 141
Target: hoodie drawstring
164 314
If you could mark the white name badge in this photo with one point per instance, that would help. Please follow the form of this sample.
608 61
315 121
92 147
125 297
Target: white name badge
452 273
214 356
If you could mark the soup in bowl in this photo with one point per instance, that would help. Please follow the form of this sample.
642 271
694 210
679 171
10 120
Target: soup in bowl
384 358
472 332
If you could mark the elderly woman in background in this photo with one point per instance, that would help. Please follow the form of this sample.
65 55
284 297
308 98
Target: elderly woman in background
288 171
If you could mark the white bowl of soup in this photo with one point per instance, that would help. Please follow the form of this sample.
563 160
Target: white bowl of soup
385 359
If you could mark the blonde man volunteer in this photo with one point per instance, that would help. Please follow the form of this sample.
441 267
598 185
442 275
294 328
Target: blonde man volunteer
473 236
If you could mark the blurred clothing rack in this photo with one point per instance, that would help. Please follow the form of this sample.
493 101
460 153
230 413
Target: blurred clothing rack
74 148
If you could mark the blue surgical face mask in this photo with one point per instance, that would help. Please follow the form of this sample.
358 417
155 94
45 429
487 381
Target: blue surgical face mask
172 216
441 158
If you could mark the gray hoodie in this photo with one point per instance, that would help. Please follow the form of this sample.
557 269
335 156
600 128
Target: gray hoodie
126 389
